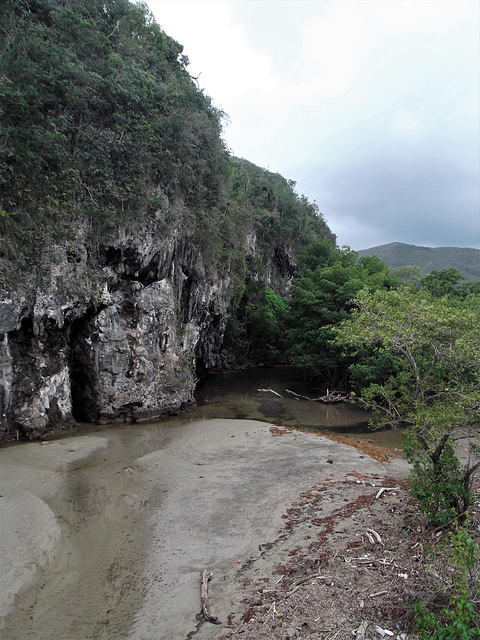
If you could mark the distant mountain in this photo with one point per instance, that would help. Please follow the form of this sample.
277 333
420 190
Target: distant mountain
398 254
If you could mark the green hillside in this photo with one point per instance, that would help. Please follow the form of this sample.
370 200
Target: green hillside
398 254
103 127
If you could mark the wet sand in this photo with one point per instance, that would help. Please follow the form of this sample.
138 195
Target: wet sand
104 535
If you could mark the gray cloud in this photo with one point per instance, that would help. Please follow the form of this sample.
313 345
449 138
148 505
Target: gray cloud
371 107
421 191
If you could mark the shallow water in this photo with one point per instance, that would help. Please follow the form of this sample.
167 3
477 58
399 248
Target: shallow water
94 586
236 395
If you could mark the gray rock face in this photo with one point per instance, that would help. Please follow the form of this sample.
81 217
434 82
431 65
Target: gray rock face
127 361
119 343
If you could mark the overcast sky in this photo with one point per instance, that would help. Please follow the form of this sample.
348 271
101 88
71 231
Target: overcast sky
372 107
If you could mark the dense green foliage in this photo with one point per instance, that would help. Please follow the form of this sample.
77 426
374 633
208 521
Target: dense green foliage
436 392
446 282
99 120
457 616
321 298
437 481
102 125
255 333
265 207
272 202
449 282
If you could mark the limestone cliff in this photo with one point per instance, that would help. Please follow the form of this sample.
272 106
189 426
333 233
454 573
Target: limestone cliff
119 343
126 227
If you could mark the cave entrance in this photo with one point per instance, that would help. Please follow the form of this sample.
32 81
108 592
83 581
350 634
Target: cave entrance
82 369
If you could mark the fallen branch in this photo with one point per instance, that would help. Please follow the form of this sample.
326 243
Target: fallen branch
271 391
385 489
299 397
331 398
316 576
292 591
327 399
205 577
298 584
274 613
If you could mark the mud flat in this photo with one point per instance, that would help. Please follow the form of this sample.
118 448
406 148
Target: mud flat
104 536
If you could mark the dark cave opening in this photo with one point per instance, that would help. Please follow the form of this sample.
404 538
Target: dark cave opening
82 371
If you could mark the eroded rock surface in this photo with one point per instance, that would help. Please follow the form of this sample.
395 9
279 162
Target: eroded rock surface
119 342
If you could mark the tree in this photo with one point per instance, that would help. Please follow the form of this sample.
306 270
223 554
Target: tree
443 283
321 298
449 282
436 392
255 329
410 274
101 124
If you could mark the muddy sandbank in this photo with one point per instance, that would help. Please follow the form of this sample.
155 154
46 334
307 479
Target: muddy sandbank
118 533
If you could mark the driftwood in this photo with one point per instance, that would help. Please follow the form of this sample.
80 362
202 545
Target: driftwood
329 398
376 536
298 396
205 577
271 391
382 489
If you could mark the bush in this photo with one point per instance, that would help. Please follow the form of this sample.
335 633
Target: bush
438 484
459 619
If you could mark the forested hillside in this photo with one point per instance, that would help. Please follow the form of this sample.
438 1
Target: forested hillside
103 126
428 259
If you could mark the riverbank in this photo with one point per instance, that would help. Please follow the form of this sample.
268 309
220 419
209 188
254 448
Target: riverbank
133 515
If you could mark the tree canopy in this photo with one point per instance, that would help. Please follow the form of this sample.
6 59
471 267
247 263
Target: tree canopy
321 298
99 116
436 391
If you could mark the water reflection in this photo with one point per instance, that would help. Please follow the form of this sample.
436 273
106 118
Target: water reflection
236 395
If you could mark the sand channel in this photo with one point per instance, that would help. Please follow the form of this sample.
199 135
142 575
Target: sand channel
104 535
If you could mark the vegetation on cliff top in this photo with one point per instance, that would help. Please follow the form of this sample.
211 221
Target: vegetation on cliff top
102 124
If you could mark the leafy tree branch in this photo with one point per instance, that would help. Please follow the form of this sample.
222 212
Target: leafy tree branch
436 392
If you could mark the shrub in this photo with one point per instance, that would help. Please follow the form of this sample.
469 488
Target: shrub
459 618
